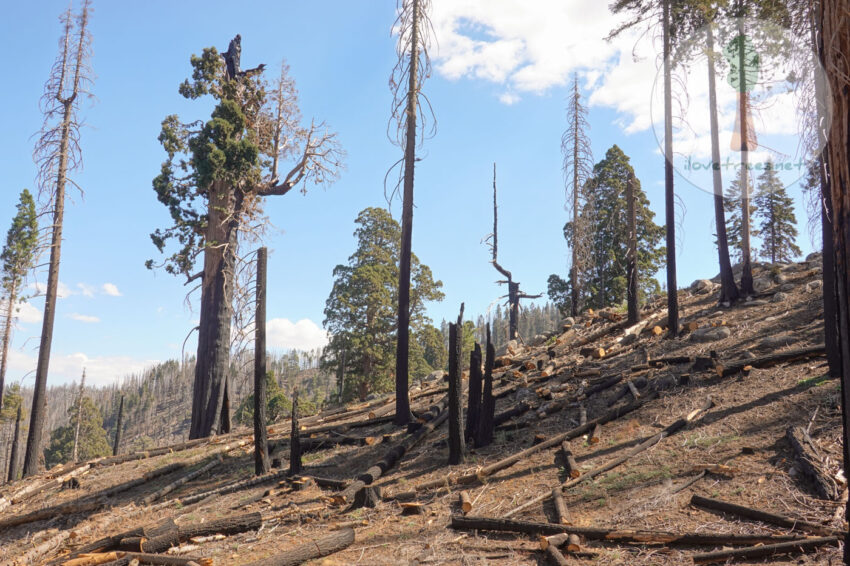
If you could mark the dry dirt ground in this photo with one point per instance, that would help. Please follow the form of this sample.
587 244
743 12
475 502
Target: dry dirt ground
745 431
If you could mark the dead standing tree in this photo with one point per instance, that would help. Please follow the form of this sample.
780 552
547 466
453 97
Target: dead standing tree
413 67
214 182
578 167
261 447
514 294
57 152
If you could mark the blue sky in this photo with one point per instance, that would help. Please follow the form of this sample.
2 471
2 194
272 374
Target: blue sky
500 78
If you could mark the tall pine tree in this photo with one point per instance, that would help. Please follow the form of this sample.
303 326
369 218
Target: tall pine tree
775 209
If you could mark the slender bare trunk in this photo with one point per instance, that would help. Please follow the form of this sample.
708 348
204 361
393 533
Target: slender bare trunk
7 334
631 268
402 403
744 124
728 288
79 417
118 425
39 399
13 456
669 194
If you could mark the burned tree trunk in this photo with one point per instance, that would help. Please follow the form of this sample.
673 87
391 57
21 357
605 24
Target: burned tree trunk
261 446
118 425
728 288
473 408
455 386
295 439
79 417
13 457
631 269
669 194
486 418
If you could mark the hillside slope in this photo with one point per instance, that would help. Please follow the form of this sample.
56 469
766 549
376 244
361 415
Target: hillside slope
701 426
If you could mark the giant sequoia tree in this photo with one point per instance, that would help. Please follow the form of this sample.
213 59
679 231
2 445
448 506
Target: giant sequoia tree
360 310
833 22
214 182
57 153
15 261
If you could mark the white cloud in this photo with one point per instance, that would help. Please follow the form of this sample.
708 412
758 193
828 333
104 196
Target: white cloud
100 370
24 312
529 46
509 98
62 290
111 290
84 318
86 290
282 333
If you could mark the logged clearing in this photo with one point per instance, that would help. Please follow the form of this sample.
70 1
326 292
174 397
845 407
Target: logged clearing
697 435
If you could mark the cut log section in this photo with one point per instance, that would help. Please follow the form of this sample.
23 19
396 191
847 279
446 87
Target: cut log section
810 462
763 516
570 465
465 502
771 360
614 535
561 513
793 547
329 544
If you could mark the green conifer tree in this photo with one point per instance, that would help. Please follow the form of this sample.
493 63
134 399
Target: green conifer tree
607 282
93 442
775 209
734 227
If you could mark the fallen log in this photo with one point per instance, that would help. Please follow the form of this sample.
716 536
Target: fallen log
329 544
793 547
771 360
561 513
159 559
465 502
505 463
181 480
613 535
555 556
652 441
225 526
233 487
810 462
763 516
570 465
389 461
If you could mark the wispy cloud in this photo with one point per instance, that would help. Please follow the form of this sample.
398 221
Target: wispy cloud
23 311
111 290
100 370
84 318
62 290
86 290
282 333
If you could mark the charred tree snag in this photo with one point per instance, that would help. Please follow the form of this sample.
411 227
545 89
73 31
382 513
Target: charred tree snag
759 515
669 192
412 68
489 470
456 431
329 544
613 535
631 268
728 289
118 426
473 407
57 154
793 547
295 439
514 294
261 445
13 457
486 418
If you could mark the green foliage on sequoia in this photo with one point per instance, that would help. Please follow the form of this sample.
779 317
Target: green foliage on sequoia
12 399
226 148
360 312
93 442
